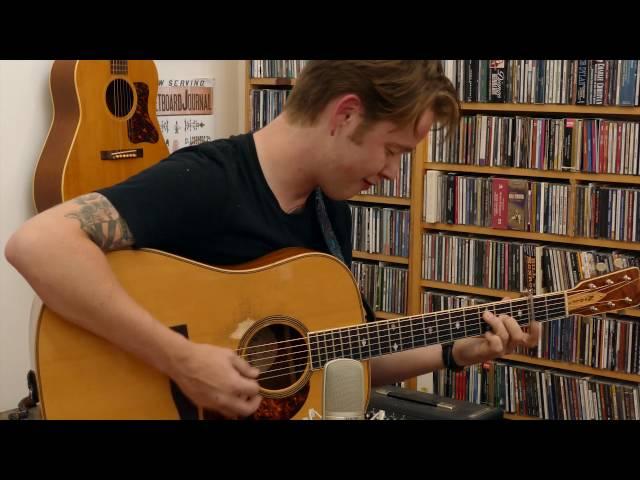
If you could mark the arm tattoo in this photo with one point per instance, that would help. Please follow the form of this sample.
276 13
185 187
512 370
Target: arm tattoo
102 222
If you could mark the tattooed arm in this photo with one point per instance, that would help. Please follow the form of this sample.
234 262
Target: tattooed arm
101 222
60 252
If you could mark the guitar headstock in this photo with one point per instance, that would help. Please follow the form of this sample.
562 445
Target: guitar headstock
606 293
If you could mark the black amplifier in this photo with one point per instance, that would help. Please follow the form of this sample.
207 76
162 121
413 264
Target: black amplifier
395 403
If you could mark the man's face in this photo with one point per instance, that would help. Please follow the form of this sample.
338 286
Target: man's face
354 164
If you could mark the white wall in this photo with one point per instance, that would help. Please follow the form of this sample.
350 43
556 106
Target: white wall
25 118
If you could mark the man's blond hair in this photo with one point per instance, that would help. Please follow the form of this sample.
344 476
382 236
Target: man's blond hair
399 91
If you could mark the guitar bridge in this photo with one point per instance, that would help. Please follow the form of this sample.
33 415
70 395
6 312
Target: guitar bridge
121 154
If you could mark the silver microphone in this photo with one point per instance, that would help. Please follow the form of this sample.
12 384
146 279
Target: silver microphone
343 390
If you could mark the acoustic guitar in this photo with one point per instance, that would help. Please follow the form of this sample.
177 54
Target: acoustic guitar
288 314
104 128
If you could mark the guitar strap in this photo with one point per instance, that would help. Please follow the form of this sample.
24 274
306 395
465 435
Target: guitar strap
325 225
333 244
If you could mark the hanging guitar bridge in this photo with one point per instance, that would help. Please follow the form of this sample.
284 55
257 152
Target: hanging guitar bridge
121 154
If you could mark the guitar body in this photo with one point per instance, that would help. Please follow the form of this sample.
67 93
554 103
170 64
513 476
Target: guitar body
104 128
281 296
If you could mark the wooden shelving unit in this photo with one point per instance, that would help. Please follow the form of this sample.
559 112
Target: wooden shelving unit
573 367
545 108
573 178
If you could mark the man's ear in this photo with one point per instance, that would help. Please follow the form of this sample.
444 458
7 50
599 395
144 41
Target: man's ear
344 110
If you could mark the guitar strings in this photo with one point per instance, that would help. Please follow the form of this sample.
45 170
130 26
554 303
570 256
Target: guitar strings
333 352
537 300
476 329
292 346
117 97
329 343
468 325
130 97
305 364
289 373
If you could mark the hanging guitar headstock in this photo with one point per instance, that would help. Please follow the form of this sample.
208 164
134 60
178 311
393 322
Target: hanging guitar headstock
606 293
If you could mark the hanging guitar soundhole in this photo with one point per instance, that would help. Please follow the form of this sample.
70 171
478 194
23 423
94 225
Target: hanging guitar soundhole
119 97
279 351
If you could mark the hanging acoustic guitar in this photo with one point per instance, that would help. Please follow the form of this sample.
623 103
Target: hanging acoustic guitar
104 128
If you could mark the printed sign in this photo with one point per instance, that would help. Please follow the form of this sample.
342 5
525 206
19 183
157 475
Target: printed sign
185 110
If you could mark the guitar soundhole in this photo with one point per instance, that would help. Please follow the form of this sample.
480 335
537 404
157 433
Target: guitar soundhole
119 97
280 352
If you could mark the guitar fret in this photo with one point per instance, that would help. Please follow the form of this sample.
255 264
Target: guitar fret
530 308
450 325
327 343
375 352
333 347
405 333
368 340
362 343
383 336
501 309
430 335
464 321
456 326
510 311
441 325
540 309
410 321
119 67
344 334
395 343
321 336
558 306
546 307
419 339
333 336
315 360
520 311
482 325
357 355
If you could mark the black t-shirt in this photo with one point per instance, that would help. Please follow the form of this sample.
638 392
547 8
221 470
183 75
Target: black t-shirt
211 203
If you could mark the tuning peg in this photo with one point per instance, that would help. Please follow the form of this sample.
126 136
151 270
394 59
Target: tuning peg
609 281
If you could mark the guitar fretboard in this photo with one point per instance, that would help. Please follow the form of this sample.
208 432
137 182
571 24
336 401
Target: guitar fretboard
119 67
383 337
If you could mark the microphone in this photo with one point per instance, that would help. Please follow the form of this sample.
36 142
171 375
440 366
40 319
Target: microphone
343 390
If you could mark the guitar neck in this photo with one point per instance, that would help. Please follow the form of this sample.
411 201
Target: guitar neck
383 337
119 67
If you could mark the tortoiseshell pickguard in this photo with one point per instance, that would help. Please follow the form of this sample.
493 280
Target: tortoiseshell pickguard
273 408
141 129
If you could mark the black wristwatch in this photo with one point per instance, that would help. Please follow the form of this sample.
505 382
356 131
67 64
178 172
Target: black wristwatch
447 358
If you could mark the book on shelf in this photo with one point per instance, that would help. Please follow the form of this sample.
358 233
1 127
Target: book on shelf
569 82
